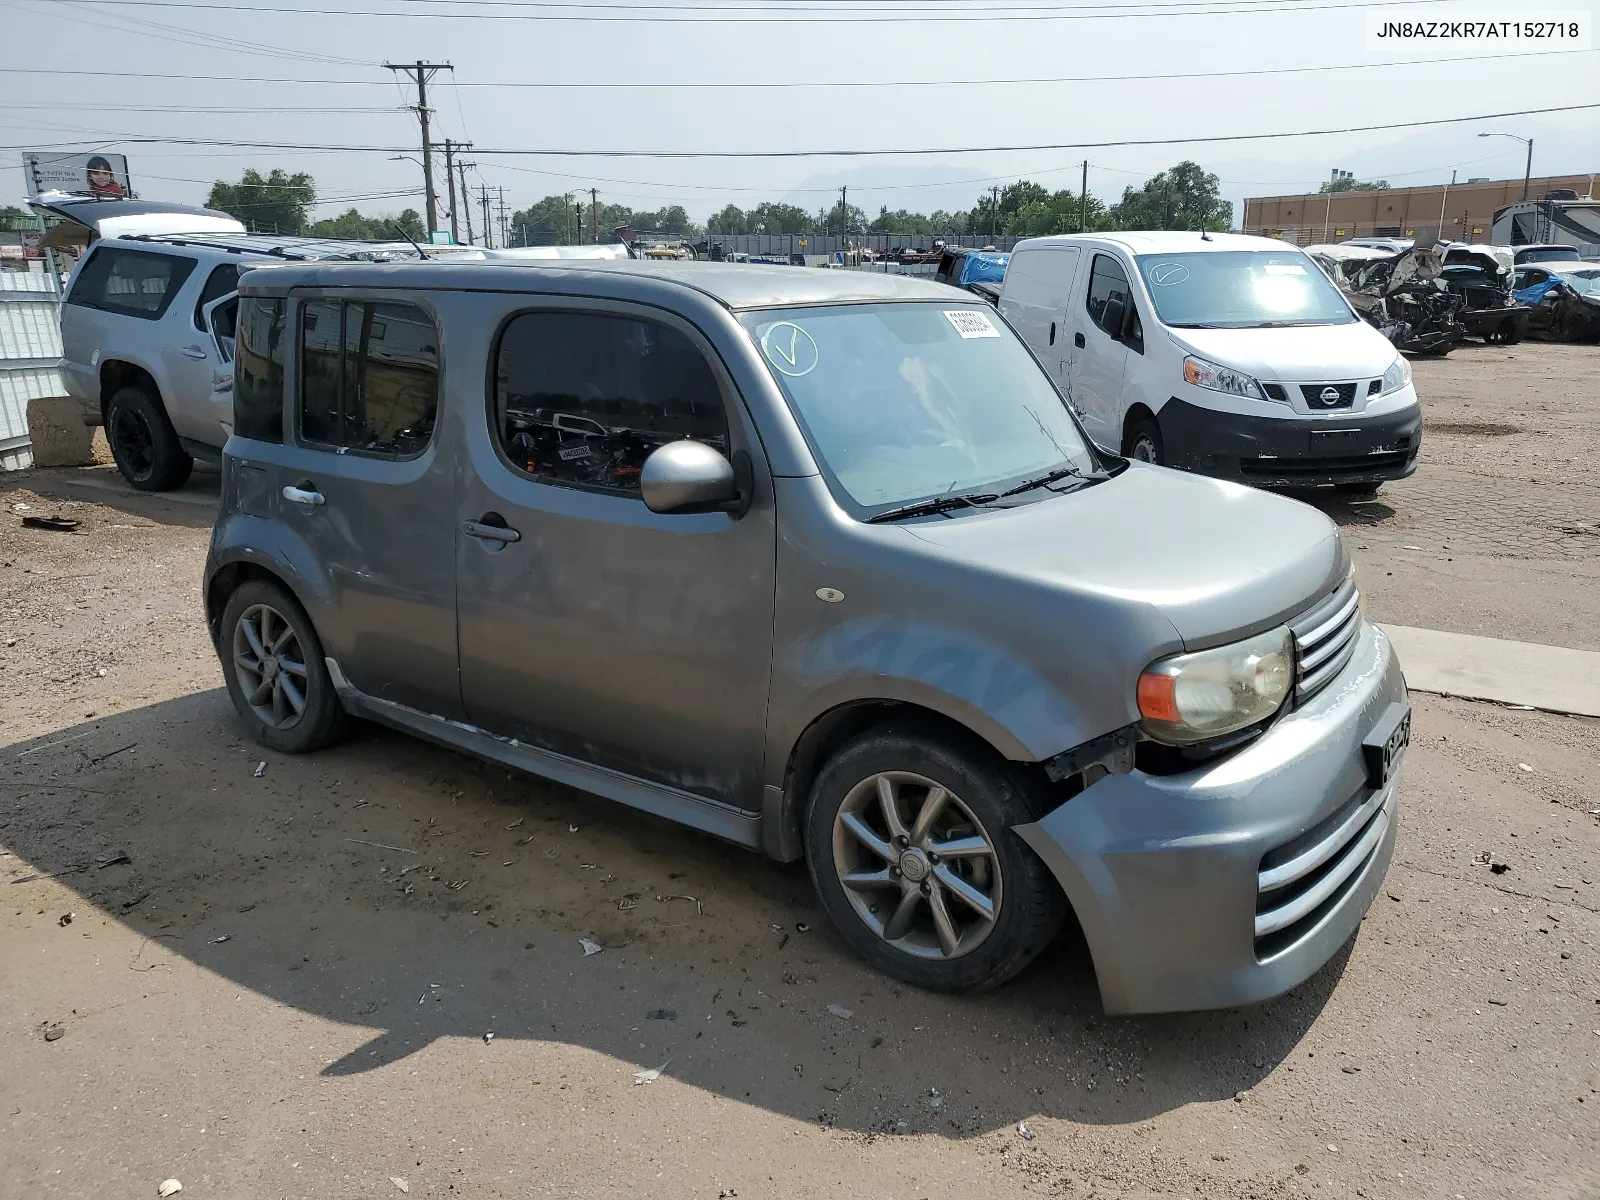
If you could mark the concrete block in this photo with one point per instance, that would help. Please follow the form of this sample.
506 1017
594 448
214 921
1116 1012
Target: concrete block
60 436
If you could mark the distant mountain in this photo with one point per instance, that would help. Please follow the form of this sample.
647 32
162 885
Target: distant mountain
949 186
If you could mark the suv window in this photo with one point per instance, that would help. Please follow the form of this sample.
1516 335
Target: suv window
258 370
135 283
223 280
583 398
369 376
1106 279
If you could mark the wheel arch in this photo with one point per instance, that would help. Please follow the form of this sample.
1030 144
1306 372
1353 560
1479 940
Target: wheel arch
1137 411
118 373
228 578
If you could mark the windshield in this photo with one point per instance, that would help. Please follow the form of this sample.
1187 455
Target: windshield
1241 289
1586 282
904 402
1550 254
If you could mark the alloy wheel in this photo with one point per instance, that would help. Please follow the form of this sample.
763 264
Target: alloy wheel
271 666
133 442
1144 449
917 866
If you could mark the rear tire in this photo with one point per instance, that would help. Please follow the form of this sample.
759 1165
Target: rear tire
1143 442
276 675
143 442
959 902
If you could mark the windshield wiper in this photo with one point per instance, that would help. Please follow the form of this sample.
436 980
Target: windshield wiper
1054 476
938 504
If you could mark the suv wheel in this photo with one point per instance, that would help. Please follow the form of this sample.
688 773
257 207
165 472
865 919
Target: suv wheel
143 442
1143 441
277 679
910 847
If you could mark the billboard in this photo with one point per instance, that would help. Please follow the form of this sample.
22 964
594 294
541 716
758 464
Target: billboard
99 174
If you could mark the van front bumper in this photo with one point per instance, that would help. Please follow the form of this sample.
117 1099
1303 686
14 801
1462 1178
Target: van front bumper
1234 882
1291 451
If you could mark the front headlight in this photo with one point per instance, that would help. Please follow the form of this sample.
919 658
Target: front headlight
1397 376
1194 697
1217 378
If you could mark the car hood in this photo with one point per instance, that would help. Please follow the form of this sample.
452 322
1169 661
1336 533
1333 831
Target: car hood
1332 352
1219 560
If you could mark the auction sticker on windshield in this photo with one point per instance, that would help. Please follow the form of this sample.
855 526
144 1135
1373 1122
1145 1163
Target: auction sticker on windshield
790 349
970 323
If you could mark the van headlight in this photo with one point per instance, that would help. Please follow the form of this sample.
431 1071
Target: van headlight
1195 697
1216 378
1397 376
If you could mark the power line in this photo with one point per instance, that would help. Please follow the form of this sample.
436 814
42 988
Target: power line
184 37
789 84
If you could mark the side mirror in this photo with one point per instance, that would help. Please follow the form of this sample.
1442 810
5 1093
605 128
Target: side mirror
688 476
1114 316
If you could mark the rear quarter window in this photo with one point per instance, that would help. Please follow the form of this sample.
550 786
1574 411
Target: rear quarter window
258 369
134 283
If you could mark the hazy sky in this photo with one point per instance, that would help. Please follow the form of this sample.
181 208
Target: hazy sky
502 42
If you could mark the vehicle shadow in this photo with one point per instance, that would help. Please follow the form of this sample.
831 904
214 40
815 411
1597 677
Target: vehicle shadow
193 506
412 894
1347 510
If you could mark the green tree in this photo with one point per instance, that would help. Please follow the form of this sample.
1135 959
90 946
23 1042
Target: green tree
1182 197
278 203
731 219
1355 185
386 227
554 216
1060 212
770 217
839 220
940 221
11 216
902 222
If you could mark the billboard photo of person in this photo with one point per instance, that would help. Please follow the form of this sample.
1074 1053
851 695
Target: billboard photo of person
103 180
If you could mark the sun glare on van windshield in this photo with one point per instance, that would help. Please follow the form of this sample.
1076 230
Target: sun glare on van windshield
1241 289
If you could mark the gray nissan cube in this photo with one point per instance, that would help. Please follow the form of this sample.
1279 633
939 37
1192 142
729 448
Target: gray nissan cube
817 562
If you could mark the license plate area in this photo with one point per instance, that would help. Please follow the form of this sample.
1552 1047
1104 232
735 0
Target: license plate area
1336 443
1385 745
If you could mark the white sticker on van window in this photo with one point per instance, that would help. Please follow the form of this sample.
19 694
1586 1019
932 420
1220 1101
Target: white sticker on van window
789 348
1167 274
1284 269
970 323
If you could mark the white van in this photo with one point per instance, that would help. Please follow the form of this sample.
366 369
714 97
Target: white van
1228 355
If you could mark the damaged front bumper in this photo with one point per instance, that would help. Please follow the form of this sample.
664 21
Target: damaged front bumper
1234 882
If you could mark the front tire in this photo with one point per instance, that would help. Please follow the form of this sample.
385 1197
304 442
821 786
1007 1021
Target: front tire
276 675
910 845
1143 442
143 443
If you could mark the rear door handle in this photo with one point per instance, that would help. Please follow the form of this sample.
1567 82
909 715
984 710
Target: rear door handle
304 493
1077 340
490 532
195 352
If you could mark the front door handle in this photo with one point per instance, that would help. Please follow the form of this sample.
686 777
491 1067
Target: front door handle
195 352
1077 340
304 492
491 527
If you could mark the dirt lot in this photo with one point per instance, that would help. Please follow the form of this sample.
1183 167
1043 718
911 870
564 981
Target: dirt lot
285 988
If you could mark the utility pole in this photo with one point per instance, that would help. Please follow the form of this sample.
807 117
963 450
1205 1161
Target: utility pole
1442 200
844 216
594 213
1527 171
577 217
450 177
488 227
1083 203
994 214
505 235
466 196
420 72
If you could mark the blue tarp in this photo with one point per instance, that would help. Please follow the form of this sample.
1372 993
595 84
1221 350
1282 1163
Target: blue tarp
983 268
1532 295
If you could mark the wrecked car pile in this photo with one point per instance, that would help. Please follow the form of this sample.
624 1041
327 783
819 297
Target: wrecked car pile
1565 306
1482 277
1403 294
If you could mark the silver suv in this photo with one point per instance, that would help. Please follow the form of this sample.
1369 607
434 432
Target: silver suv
147 318
818 563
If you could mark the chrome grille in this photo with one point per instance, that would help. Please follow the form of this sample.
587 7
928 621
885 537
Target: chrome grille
1301 882
1324 640
1316 394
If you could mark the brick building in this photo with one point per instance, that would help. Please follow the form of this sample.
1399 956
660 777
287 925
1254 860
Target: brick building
1467 209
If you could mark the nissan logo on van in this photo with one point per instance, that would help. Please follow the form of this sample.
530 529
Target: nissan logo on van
1329 395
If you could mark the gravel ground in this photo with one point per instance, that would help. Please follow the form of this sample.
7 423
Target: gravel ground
286 988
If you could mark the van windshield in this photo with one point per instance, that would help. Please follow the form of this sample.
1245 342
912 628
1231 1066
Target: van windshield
1241 289
904 402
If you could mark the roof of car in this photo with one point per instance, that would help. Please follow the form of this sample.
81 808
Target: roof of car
275 247
1164 241
735 286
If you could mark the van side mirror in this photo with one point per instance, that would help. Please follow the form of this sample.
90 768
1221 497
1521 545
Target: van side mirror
1114 316
689 476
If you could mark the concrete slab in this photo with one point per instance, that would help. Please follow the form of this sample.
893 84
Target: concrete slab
1479 668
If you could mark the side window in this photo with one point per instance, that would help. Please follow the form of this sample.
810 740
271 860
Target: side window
134 283
1106 279
219 283
258 370
369 376
584 398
